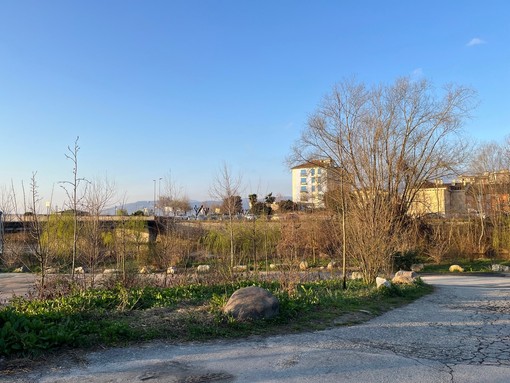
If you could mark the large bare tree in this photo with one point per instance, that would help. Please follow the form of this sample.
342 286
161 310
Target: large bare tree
173 199
226 187
385 142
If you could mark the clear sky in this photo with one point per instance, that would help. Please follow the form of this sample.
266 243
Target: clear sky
159 87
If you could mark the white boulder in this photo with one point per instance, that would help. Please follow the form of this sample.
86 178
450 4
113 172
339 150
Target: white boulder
203 268
303 265
382 282
111 271
456 268
500 268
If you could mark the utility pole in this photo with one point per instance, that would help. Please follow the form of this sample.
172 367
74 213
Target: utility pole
1 234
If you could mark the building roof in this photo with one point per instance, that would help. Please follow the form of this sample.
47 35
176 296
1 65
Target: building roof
314 164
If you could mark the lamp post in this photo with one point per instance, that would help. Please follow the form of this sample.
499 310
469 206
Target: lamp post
154 208
159 190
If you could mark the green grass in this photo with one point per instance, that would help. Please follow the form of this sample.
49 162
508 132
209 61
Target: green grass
469 266
189 313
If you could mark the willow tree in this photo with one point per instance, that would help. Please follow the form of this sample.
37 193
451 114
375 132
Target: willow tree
384 142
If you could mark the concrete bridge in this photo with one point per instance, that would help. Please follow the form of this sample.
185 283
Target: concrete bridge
10 223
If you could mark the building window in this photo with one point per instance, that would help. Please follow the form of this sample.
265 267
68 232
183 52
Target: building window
313 188
303 189
319 171
303 181
312 172
303 172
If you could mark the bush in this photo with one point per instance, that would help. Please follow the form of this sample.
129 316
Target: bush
404 260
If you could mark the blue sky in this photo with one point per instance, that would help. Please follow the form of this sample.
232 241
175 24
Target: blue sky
181 87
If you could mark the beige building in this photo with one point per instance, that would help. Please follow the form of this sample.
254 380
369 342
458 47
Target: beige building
439 198
310 181
480 194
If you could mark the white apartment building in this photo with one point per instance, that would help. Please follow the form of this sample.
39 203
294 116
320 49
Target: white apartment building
310 182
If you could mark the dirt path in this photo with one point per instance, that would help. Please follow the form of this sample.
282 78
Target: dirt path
18 284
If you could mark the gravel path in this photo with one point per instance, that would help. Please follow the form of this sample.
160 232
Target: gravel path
460 333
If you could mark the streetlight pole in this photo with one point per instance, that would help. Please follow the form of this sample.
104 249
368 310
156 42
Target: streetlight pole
159 193
154 198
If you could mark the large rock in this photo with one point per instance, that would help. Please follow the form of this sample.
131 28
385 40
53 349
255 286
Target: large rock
252 303
147 270
456 268
331 265
382 282
111 271
404 277
203 268
500 268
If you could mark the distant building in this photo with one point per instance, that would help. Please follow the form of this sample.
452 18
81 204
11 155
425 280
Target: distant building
439 198
480 194
311 180
488 193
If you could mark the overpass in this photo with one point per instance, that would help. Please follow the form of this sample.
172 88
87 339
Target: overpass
13 223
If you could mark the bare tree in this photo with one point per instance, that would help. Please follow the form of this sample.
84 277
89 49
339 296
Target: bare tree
38 245
226 187
99 194
385 142
73 198
490 190
7 207
173 198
